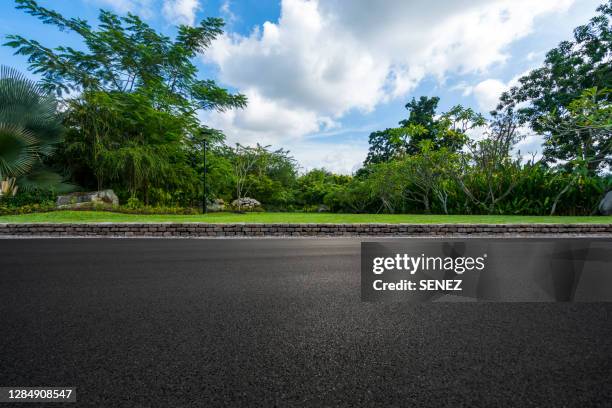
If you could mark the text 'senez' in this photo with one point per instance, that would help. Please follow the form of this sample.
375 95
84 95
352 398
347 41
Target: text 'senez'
502 270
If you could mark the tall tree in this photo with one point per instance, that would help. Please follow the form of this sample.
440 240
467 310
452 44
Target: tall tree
448 131
569 69
124 54
487 172
421 113
582 134
137 96
381 149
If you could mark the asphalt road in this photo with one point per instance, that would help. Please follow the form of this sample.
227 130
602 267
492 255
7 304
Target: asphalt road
205 323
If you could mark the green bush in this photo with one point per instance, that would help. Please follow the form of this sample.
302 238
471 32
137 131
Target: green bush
148 210
23 198
25 209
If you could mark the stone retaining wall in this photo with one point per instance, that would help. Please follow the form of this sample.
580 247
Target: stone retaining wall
299 230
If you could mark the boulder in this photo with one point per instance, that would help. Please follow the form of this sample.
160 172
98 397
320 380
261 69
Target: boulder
322 208
605 206
104 197
246 204
216 205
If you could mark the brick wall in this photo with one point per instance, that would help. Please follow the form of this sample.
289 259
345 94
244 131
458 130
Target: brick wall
300 230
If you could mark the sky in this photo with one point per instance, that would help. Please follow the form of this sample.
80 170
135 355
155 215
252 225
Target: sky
321 75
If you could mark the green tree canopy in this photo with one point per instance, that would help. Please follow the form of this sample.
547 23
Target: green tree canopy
131 98
124 54
447 130
569 69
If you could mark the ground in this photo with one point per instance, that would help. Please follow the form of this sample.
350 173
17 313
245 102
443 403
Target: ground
246 323
300 218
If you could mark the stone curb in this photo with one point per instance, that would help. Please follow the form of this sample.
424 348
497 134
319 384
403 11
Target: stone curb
297 230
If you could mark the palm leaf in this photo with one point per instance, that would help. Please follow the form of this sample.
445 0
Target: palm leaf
30 127
41 178
17 150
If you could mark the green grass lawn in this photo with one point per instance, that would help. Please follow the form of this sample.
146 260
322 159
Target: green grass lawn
301 218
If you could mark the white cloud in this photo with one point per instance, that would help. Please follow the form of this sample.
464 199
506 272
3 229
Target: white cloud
487 93
141 7
530 148
174 11
180 11
226 11
324 59
341 157
266 121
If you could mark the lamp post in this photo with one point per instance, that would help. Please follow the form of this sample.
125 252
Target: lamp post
204 206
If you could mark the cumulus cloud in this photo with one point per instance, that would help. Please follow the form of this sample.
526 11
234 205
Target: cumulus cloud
141 7
265 120
323 59
226 11
180 11
530 148
174 11
487 93
340 157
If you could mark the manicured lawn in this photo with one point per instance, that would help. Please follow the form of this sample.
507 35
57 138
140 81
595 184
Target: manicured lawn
302 218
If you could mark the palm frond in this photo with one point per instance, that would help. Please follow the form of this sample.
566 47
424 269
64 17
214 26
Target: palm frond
17 150
30 126
41 178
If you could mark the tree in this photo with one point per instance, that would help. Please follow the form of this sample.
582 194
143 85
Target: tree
427 174
30 129
126 142
264 174
422 119
487 172
448 131
384 145
582 132
381 149
569 69
137 98
245 161
124 54
275 178
387 184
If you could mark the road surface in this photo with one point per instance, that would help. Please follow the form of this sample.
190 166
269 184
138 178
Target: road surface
266 322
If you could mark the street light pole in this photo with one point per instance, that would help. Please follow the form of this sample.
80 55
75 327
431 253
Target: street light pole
204 206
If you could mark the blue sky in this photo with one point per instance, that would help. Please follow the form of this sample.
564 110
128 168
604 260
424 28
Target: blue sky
321 75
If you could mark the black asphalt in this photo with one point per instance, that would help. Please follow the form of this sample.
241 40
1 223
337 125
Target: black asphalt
205 323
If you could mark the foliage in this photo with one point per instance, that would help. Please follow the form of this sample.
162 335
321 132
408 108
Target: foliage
25 209
319 187
583 131
126 143
23 197
446 131
135 115
133 208
428 175
552 90
488 173
130 106
30 129
264 174
124 54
